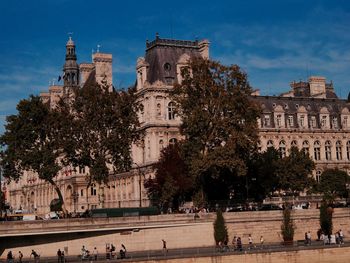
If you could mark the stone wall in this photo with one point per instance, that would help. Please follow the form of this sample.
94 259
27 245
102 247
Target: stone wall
334 255
180 231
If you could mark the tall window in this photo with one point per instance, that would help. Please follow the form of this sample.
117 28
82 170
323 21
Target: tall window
345 122
317 151
159 110
335 123
171 110
324 121
93 191
267 121
302 121
306 147
348 150
338 151
328 150
279 120
282 148
290 121
313 123
318 176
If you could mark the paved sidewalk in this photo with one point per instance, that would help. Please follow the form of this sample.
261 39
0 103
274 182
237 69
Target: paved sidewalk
191 252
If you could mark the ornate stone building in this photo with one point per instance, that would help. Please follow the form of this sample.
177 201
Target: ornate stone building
309 116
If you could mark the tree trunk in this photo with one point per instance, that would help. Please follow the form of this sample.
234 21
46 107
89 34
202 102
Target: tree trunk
58 191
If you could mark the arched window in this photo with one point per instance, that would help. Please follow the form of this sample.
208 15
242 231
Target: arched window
338 150
348 150
171 110
306 147
269 144
294 143
328 150
317 151
161 144
318 176
282 148
172 141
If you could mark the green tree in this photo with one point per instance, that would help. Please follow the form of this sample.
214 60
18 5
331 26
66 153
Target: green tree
326 218
287 227
333 183
262 177
32 142
104 127
220 229
294 172
218 123
171 185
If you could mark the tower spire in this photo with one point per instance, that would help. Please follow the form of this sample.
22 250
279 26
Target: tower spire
71 68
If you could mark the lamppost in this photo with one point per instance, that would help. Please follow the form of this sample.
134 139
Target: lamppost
75 197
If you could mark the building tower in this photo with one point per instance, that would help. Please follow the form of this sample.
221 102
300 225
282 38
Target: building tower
70 68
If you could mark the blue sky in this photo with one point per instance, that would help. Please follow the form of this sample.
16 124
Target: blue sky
274 41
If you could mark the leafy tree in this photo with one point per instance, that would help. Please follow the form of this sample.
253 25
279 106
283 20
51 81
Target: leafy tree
326 218
220 229
287 227
105 126
333 184
32 142
171 185
262 178
218 123
294 171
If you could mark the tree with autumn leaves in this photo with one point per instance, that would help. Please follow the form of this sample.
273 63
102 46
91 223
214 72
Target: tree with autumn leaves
219 150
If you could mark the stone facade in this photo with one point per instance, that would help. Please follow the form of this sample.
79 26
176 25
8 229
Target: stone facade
309 116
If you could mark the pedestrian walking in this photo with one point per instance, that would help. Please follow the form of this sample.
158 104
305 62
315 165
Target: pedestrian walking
35 255
59 255
308 235
20 256
234 243
341 236
262 242
10 257
165 250
95 253
250 241
239 244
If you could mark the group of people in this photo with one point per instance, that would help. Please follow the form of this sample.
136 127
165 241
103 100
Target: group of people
110 252
60 256
337 238
11 257
237 244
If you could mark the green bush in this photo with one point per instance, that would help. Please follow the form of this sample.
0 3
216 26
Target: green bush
220 229
287 227
326 214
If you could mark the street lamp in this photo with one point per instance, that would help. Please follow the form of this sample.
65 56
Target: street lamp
75 197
